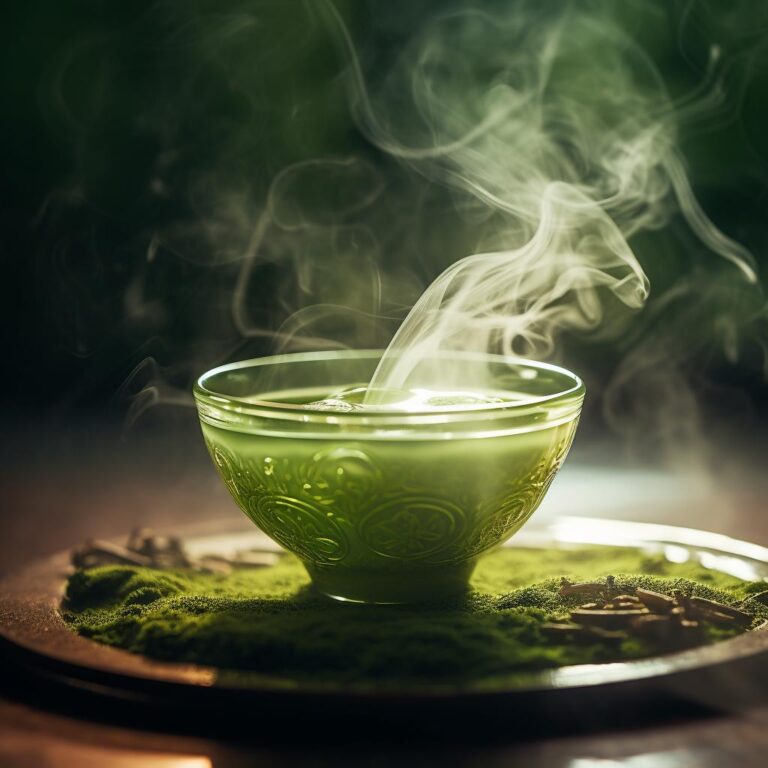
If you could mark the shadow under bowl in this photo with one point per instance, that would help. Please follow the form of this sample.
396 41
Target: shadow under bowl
381 505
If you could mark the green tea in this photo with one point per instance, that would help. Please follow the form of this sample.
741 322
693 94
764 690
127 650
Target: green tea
382 518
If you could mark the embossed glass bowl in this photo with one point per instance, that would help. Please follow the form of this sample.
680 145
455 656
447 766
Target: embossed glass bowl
386 506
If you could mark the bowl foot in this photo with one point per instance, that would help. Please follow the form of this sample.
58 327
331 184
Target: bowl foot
392 587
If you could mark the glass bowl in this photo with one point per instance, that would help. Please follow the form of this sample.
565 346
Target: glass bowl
386 506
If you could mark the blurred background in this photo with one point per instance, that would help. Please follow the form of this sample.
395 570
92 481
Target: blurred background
188 183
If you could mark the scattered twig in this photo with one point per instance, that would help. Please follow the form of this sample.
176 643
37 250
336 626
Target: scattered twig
674 620
150 550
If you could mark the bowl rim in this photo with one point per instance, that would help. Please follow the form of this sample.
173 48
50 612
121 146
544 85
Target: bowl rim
571 397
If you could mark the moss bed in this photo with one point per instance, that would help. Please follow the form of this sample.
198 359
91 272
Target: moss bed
269 621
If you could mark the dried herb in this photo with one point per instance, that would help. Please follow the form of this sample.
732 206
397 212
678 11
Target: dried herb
147 549
666 620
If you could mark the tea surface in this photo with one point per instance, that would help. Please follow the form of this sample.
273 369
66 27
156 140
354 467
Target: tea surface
411 401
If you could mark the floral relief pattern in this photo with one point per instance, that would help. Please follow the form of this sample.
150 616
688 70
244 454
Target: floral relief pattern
346 475
518 501
310 532
507 515
412 527
300 506
339 500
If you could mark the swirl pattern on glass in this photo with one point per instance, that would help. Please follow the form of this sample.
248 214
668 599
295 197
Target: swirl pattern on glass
343 503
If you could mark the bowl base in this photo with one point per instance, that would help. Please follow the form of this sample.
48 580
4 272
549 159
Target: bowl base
392 587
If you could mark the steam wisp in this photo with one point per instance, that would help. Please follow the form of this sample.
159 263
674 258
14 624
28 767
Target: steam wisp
557 130
536 139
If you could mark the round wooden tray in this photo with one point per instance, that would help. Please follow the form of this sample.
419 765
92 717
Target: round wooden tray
34 639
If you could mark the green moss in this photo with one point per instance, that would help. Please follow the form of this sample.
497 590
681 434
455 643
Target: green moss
269 621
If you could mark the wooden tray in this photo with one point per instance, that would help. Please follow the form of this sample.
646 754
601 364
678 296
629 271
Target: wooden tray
45 653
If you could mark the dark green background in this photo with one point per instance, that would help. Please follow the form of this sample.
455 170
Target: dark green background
122 120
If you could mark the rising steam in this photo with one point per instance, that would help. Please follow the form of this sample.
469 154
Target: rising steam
557 130
537 140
